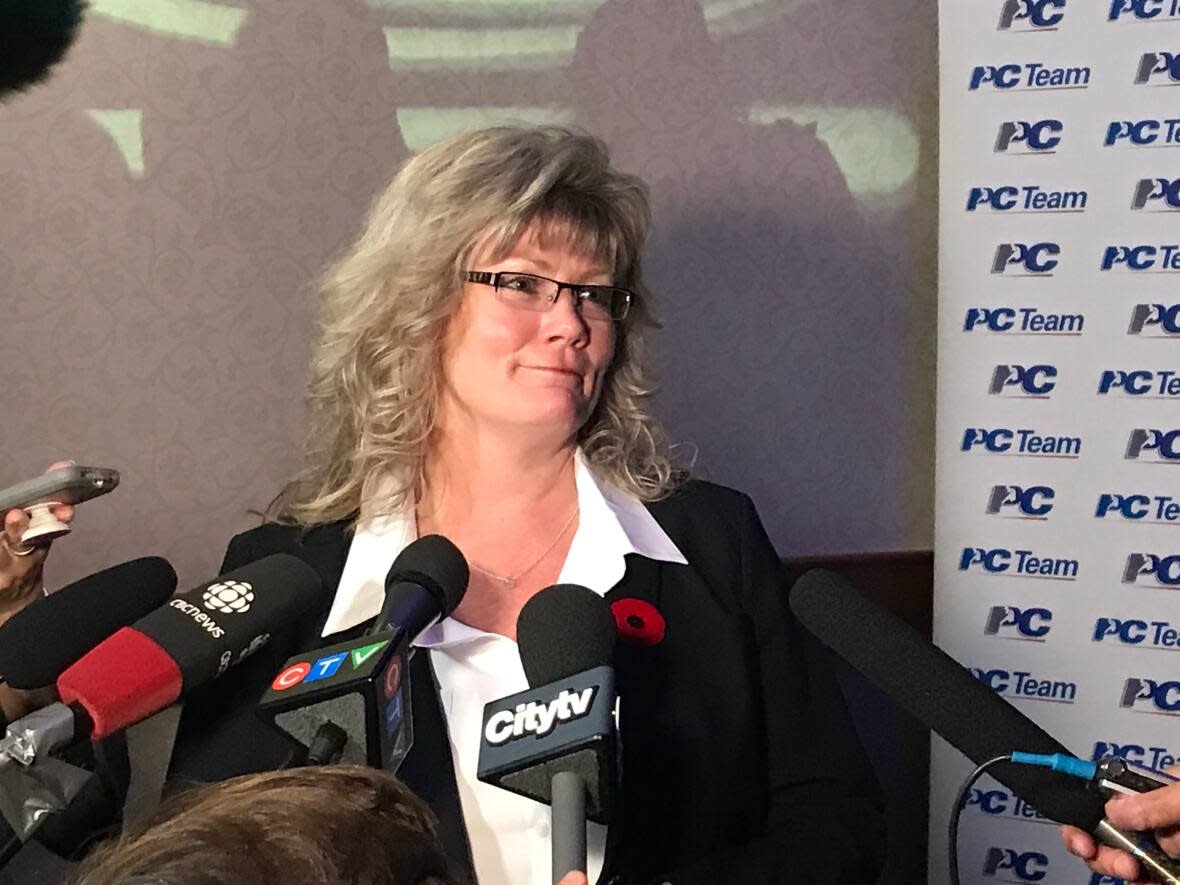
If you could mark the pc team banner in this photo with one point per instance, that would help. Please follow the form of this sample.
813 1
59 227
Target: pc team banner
1057 567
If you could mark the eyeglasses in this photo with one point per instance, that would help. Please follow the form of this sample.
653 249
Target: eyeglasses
531 292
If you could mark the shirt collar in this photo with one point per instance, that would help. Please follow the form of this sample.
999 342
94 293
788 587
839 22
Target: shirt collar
611 524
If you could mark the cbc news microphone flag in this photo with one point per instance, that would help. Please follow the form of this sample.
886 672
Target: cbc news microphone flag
1057 540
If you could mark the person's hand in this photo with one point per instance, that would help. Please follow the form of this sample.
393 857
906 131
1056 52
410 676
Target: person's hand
20 565
574 878
1158 810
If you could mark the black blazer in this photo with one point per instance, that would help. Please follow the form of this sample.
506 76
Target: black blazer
740 763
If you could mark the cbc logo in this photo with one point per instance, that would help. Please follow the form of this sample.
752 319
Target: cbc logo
229 597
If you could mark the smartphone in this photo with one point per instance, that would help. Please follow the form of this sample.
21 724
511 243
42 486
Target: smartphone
65 485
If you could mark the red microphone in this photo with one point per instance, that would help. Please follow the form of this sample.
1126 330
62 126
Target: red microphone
191 640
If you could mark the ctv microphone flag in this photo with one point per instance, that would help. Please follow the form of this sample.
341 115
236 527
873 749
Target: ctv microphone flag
360 686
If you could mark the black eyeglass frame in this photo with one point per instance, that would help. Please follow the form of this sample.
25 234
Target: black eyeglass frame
492 278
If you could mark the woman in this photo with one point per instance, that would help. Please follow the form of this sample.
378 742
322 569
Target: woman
480 373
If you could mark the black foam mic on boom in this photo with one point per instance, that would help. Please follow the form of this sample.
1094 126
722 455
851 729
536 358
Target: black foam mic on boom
936 689
557 742
34 36
39 642
353 698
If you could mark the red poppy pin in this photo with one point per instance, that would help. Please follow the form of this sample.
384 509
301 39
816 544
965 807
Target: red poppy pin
640 623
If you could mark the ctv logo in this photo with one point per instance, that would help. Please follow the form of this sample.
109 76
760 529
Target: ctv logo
1020 199
1163 570
1144 133
1144 10
1159 69
1143 258
1023 381
325 667
1020 442
1140 382
1032 75
1022 685
1142 695
1031 15
1010 622
1026 866
999 561
1150 757
1161 446
1024 137
1157 634
1017 502
1161 320
1148 190
1160 509
1026 259
1000 803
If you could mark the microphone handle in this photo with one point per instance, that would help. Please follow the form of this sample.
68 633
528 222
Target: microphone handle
1156 865
569 824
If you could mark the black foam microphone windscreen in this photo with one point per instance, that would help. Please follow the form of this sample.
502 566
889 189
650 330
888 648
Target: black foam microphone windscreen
39 642
425 583
34 36
936 689
562 630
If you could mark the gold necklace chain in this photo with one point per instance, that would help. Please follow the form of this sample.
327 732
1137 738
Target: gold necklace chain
510 581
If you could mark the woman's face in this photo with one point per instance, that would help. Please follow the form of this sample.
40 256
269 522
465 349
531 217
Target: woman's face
515 369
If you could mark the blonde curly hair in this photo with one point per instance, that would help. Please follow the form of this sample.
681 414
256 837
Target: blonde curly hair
375 370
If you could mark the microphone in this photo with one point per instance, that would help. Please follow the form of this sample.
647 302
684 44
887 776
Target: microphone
195 638
933 687
350 701
557 742
34 36
44 638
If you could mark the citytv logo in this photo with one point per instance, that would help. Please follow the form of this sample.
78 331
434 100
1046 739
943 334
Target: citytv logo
1026 866
1018 502
1027 442
1159 568
1031 15
1144 10
1012 380
1158 69
1026 259
1143 695
1155 320
1025 137
1155 259
1143 133
1151 444
1010 622
1149 190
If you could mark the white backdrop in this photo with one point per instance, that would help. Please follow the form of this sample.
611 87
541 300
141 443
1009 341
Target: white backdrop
1058 452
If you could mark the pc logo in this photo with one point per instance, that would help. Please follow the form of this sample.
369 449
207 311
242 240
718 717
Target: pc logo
1026 866
1021 136
1028 259
1031 15
1149 190
1023 381
1164 570
1159 69
1139 694
1009 622
1017 502
1160 320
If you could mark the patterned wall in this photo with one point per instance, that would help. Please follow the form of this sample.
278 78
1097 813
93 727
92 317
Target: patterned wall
169 195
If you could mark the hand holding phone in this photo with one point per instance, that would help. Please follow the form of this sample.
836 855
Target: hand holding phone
47 503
